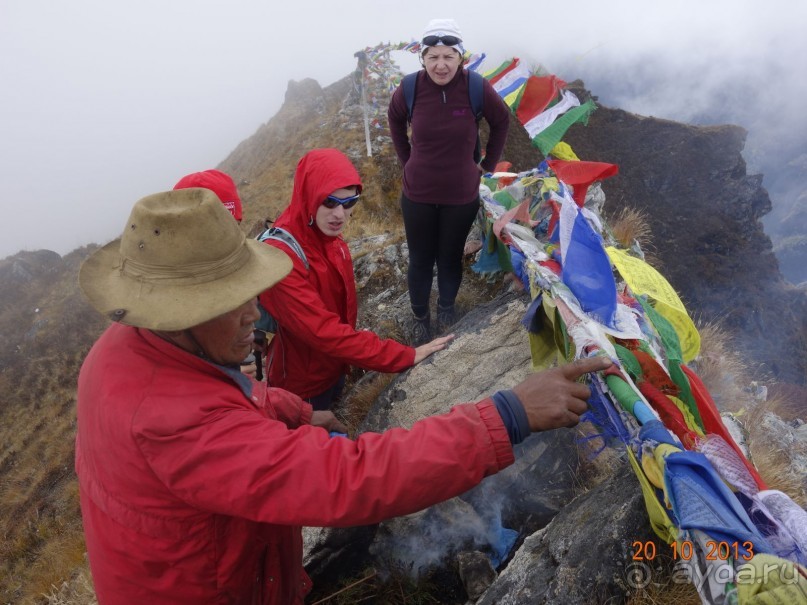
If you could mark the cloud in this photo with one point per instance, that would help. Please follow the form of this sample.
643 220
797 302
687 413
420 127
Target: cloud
106 102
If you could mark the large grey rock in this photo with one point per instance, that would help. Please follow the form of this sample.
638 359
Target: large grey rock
490 352
488 339
583 555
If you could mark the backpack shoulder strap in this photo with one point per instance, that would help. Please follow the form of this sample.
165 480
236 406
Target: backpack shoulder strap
281 235
409 83
476 93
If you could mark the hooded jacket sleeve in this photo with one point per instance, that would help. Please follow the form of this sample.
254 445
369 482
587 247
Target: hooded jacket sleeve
227 458
306 318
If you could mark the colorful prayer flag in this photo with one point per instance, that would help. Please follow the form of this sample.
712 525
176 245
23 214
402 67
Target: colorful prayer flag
539 92
580 175
551 136
496 74
586 267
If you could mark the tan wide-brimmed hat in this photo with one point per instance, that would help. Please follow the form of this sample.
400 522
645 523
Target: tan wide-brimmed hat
182 260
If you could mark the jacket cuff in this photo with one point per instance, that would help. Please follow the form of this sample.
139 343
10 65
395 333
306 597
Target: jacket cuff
500 440
513 415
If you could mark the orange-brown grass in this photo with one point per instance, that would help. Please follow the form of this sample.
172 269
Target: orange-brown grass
362 397
42 540
76 591
722 369
632 225
664 591
367 224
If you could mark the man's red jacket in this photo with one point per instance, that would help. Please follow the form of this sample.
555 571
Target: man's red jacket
195 480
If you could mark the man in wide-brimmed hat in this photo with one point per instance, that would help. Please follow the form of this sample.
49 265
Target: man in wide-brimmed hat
195 479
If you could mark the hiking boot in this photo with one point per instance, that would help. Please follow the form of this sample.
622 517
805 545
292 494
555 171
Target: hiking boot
421 330
446 317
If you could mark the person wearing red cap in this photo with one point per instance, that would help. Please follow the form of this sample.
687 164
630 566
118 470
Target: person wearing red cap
219 183
224 187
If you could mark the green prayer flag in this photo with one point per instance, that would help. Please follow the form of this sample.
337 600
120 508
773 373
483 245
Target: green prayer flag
551 135
505 199
628 361
668 335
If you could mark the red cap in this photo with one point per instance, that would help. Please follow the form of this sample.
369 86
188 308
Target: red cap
219 183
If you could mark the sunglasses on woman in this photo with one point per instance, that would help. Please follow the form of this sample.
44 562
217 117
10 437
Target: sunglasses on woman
346 202
435 40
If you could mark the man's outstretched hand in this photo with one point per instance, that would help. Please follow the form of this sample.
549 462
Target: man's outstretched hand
553 399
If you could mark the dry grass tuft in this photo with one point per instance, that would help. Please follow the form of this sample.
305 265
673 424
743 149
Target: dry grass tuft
775 467
631 225
77 591
722 369
771 456
388 328
396 588
594 466
664 591
362 397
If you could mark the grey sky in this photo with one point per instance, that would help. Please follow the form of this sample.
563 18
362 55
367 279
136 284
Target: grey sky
104 102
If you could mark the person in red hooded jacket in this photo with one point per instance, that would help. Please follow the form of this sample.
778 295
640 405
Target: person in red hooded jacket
194 479
315 306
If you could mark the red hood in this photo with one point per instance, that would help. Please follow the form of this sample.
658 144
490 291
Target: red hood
319 173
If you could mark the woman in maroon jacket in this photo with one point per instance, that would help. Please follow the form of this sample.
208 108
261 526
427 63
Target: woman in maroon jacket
440 196
315 306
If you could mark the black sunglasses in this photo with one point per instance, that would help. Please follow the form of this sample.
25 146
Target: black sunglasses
435 40
346 202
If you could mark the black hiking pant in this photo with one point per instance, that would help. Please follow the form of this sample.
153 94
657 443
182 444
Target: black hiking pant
435 234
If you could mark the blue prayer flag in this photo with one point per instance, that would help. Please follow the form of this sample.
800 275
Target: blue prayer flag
587 272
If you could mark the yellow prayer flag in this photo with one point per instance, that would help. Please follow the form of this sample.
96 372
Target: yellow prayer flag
770 580
644 279
659 519
691 423
564 151
511 99
543 346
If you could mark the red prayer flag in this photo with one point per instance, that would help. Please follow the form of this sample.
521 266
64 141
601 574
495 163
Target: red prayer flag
539 92
713 423
580 175
669 413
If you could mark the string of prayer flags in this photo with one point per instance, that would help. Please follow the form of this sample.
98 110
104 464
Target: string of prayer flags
699 487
